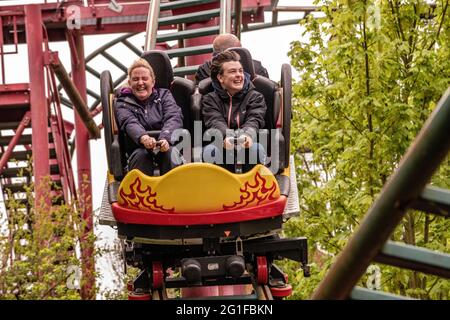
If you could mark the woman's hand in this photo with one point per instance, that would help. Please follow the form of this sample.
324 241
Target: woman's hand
148 142
164 145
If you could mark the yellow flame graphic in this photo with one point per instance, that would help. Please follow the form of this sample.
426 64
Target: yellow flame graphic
254 194
141 198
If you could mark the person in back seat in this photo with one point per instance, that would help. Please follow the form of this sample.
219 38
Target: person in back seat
140 108
220 44
234 104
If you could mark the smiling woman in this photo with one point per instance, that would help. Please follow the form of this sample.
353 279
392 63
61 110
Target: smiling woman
141 79
144 109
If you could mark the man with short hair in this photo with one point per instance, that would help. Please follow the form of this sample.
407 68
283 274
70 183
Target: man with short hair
235 110
220 44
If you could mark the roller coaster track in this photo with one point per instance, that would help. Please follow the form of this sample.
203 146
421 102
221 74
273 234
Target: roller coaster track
260 292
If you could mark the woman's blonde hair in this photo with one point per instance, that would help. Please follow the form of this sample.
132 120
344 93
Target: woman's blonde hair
138 63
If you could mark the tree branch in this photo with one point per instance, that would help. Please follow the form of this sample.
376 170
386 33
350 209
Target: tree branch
440 26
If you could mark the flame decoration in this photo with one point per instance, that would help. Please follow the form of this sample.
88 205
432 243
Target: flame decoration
140 198
254 194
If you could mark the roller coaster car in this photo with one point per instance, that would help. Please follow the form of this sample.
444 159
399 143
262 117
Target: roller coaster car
218 227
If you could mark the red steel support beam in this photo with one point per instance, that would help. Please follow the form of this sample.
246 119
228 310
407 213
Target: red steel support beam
2 58
39 110
7 154
60 157
14 96
84 172
79 103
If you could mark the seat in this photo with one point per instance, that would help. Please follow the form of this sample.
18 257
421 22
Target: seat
160 62
181 88
271 92
204 87
274 119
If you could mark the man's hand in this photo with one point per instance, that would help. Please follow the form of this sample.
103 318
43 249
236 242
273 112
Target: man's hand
228 143
247 141
164 145
148 142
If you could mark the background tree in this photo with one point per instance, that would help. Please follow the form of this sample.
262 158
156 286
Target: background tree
38 249
371 73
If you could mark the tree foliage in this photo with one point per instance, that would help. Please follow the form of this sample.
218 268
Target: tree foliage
371 73
38 249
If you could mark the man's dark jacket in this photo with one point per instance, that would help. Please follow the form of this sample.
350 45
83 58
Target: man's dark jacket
204 71
247 113
158 112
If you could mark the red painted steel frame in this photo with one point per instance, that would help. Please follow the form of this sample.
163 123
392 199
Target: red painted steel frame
56 20
14 101
58 145
14 94
84 170
39 110
7 154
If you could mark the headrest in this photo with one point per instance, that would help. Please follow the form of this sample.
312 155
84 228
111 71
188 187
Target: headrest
160 62
246 60
268 89
205 86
